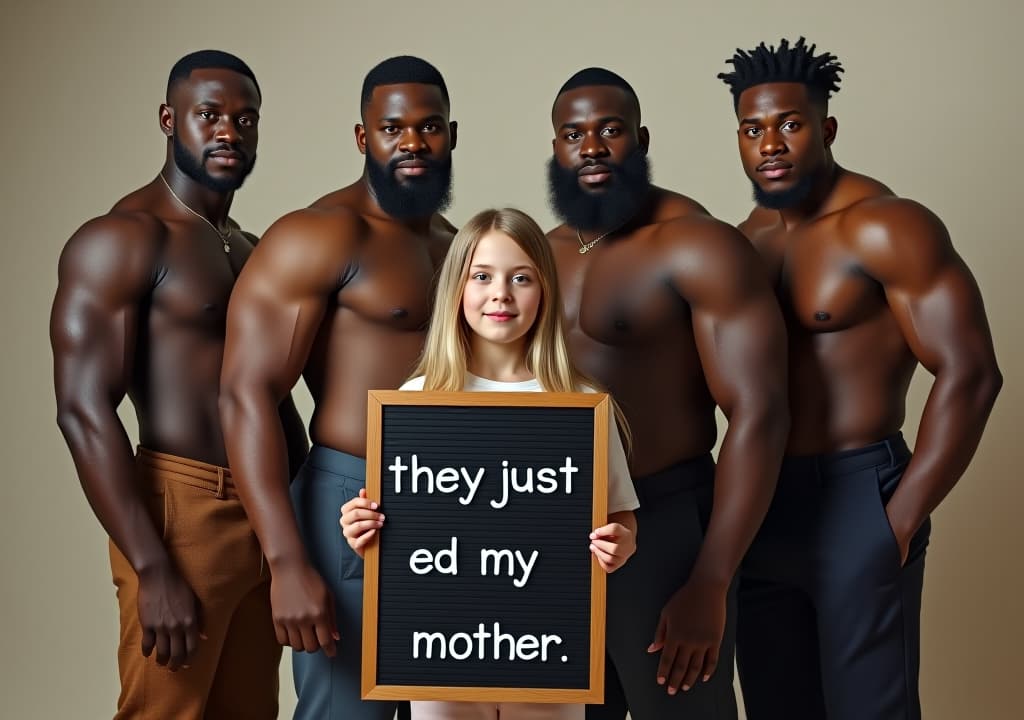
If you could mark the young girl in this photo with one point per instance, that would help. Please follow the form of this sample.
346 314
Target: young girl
497 326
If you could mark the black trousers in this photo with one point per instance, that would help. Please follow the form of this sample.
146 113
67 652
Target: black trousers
675 505
829 622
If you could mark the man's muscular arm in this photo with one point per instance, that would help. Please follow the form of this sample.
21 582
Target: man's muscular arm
939 309
106 273
296 439
740 337
275 312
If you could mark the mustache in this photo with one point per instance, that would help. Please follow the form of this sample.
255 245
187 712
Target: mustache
408 157
226 147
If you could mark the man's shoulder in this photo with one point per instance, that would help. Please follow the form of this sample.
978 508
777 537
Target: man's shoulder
128 232
670 205
331 224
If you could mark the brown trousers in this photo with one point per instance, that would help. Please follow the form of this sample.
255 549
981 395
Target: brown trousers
234 672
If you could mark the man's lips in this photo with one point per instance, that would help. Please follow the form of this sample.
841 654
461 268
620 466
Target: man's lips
226 158
412 168
775 169
594 174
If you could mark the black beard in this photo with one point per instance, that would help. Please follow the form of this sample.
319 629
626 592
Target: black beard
417 197
629 184
784 199
196 168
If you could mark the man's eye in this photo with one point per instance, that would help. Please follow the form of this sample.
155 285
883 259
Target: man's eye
391 130
206 115
791 125
752 132
429 128
573 136
610 132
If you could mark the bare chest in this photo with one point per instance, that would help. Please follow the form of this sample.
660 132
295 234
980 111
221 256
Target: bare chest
194 284
618 296
393 286
823 285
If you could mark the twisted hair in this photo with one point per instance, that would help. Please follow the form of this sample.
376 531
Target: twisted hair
768 64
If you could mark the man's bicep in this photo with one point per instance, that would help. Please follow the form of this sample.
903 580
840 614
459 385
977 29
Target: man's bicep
944 321
273 318
102 285
742 349
737 324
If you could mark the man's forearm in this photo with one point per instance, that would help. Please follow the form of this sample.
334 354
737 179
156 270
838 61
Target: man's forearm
745 478
952 423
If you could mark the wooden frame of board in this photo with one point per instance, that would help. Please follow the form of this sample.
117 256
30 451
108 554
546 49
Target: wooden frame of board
593 692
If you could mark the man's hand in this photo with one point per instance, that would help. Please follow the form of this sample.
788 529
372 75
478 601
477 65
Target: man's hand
169 616
360 521
303 609
689 635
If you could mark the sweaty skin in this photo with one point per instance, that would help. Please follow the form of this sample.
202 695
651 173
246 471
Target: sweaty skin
673 314
140 311
340 294
870 287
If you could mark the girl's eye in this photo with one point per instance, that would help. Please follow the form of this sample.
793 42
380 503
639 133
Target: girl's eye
479 276
521 279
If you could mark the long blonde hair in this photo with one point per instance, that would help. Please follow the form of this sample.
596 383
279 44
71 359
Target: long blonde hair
444 361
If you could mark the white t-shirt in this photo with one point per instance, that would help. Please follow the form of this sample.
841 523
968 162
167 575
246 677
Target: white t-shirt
621 495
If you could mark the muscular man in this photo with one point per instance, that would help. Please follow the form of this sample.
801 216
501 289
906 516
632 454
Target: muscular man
140 310
870 286
670 310
339 293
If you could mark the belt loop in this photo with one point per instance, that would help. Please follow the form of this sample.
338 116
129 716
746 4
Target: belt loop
220 483
892 455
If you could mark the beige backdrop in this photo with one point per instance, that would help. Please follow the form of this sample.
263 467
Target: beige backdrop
930 104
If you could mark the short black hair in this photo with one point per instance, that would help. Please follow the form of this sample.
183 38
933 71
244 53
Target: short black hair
768 64
209 59
402 69
588 77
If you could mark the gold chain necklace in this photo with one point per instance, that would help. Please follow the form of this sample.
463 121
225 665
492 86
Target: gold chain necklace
224 236
587 247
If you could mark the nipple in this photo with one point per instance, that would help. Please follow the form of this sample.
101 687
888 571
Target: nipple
399 313
822 316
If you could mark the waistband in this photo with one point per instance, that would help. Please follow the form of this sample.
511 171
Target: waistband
891 451
336 462
684 475
198 474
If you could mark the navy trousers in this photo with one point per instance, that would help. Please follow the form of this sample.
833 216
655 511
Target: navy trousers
829 621
328 689
675 505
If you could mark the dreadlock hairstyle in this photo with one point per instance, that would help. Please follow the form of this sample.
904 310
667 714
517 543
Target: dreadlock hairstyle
766 64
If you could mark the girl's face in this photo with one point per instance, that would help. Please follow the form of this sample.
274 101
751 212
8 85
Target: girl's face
502 293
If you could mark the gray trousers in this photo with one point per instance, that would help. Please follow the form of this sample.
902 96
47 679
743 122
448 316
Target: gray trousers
328 689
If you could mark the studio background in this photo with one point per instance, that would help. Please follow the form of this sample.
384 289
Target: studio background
930 104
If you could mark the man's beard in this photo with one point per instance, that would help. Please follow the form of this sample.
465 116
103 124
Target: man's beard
416 197
196 168
784 199
611 208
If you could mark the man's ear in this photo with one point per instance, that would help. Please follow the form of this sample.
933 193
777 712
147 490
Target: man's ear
644 138
360 133
453 131
166 120
828 130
